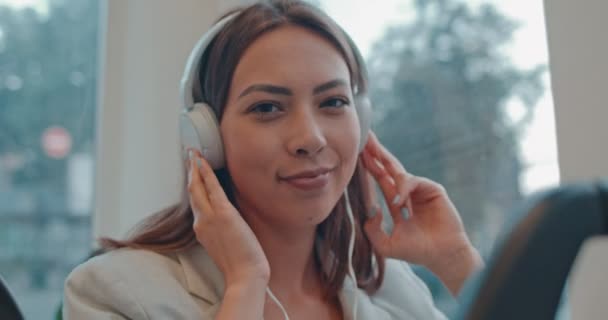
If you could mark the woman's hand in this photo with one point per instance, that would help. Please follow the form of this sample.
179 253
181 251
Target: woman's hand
432 235
221 230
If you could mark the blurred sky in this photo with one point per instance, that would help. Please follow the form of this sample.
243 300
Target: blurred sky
529 48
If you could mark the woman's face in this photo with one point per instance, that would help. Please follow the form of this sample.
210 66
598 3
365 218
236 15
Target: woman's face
290 128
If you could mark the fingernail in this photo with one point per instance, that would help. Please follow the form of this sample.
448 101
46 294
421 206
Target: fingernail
198 163
396 199
405 213
190 154
373 212
205 152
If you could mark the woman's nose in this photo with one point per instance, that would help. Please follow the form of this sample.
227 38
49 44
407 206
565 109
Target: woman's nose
306 136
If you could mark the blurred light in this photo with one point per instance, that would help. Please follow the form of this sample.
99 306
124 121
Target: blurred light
13 82
76 78
41 6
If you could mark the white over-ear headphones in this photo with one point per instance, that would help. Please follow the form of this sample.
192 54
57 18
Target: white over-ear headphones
199 127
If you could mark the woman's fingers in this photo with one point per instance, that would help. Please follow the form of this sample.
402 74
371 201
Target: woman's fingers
391 165
387 186
387 159
373 166
196 189
215 193
376 234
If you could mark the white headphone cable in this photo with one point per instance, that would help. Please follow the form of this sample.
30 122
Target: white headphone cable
276 301
351 271
351 249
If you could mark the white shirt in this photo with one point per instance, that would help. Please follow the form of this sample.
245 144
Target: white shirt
141 284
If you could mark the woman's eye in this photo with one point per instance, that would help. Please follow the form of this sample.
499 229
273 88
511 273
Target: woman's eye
264 108
335 103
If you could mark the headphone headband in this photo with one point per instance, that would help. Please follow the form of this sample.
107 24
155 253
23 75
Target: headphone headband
190 83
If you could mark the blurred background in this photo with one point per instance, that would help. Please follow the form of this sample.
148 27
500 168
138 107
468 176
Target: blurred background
461 90
48 91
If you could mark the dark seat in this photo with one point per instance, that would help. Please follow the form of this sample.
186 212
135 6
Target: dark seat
525 277
9 309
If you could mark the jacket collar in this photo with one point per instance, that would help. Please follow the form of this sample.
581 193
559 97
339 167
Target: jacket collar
203 277
205 280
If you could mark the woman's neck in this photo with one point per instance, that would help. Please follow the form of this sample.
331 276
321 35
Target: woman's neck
290 254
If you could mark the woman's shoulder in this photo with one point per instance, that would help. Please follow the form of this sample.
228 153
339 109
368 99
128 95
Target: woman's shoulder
128 265
135 272
136 282
189 270
398 272
404 294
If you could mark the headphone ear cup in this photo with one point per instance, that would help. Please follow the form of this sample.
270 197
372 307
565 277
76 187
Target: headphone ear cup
199 130
364 113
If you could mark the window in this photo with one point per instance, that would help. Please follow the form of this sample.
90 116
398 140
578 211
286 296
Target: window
48 81
461 95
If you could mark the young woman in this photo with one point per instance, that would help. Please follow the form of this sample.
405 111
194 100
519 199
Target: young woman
283 228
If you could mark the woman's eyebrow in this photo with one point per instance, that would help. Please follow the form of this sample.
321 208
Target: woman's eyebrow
269 88
266 88
329 85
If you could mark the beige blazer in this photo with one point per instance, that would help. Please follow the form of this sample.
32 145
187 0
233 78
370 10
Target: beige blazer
139 284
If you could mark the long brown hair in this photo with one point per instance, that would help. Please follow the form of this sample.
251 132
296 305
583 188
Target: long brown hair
171 229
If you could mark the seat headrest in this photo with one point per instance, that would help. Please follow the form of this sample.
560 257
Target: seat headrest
525 277
8 306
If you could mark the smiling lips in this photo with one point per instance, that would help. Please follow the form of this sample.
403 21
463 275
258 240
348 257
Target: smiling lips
309 179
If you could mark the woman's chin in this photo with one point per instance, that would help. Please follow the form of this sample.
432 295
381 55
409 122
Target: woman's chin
311 215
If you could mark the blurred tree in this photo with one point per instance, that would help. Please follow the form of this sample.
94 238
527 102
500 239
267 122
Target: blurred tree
48 77
48 69
440 85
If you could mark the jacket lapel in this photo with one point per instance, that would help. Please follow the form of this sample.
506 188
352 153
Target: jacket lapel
203 278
